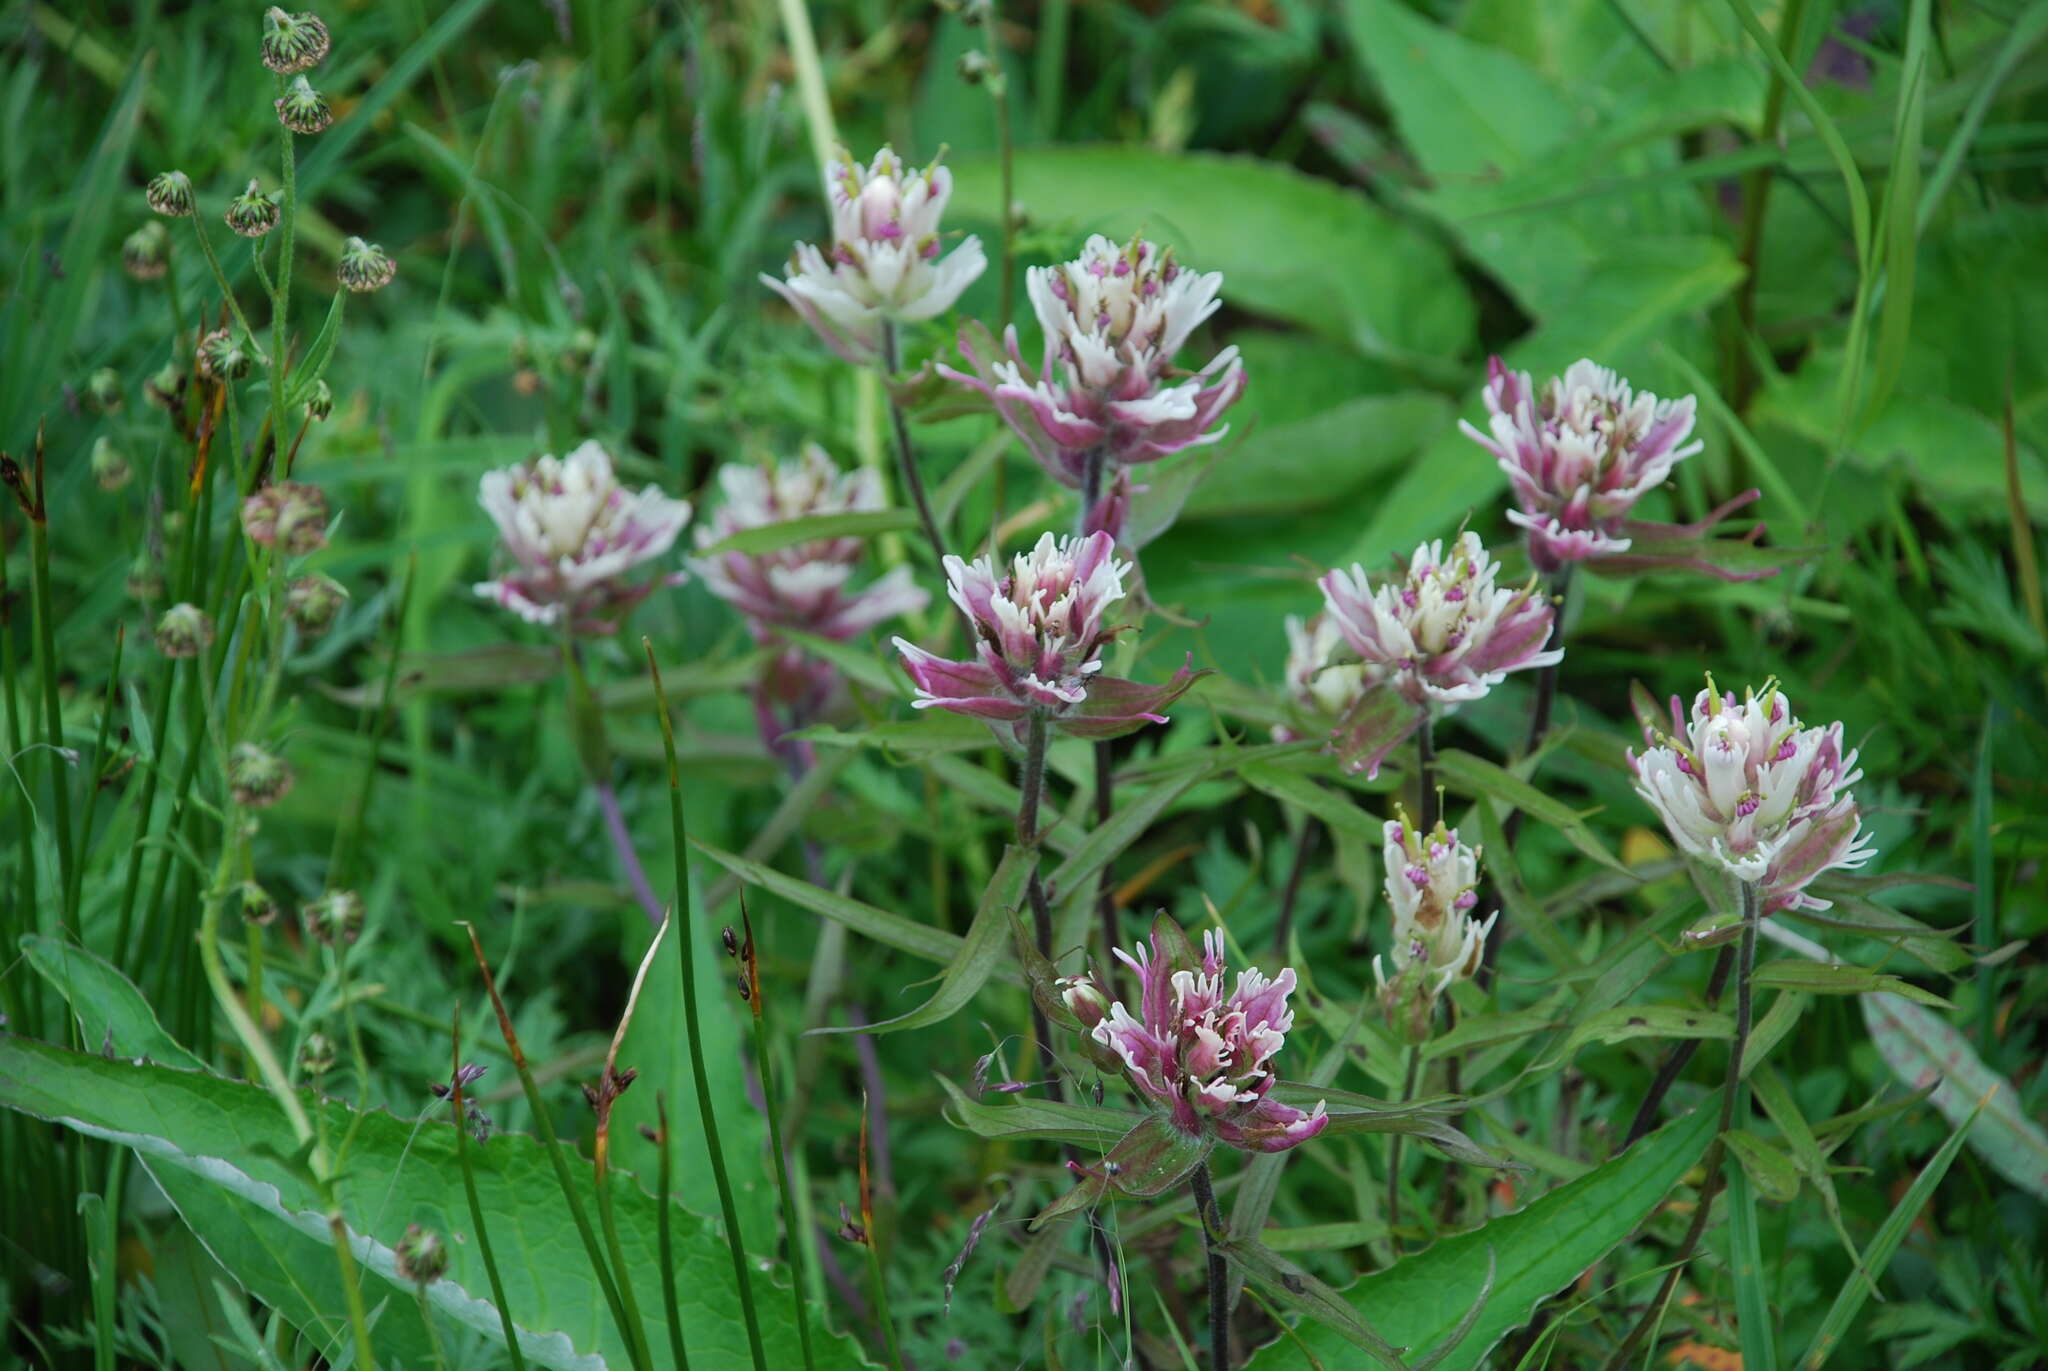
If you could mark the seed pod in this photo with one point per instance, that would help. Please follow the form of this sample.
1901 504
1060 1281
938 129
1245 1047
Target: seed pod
146 253
293 43
303 109
364 267
257 778
421 1257
183 631
336 918
110 470
313 602
252 213
170 194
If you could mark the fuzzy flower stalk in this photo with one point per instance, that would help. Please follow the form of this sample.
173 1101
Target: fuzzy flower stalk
1205 1056
806 587
571 534
1443 633
1579 454
1745 787
1432 887
884 265
1106 394
1039 635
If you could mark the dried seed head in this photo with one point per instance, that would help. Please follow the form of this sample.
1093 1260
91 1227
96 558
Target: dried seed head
165 388
183 631
146 253
289 515
252 213
257 778
225 356
145 580
364 267
422 1259
170 194
320 402
316 1055
731 941
103 389
313 602
336 918
303 109
257 906
110 469
293 43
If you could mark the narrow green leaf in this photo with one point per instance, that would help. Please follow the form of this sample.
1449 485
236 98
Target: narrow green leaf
1096 1127
1076 875
1466 774
1901 212
1819 978
1751 1161
1420 1300
1290 1286
988 939
1626 1022
1296 788
314 364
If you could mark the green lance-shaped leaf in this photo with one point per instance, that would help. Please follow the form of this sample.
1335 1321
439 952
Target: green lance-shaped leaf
1420 1301
1817 978
221 1150
1149 1160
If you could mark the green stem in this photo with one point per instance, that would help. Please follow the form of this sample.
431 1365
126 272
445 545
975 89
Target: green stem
476 1207
999 93
99 767
686 952
1394 1153
665 1240
791 1214
221 279
46 669
439 1353
1218 1281
281 297
906 462
1756 197
636 1327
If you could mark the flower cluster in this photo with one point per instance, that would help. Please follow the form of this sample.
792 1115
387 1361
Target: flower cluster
1106 395
1039 638
1318 683
1578 457
1206 1056
884 264
572 533
806 586
1745 786
1432 882
1446 632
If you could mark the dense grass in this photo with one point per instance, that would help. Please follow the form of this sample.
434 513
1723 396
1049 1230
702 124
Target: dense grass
1825 221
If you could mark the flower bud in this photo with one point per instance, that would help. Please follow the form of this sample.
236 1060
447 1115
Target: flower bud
257 779
145 578
316 1055
165 388
421 1257
103 389
293 43
303 109
252 213
145 253
183 631
169 194
289 515
225 357
336 917
313 602
109 464
975 67
257 906
320 403
364 267
1084 999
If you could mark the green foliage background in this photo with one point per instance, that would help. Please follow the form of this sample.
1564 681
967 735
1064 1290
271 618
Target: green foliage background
579 197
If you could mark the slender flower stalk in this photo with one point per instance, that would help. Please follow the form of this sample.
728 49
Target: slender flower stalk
459 1107
1216 1271
792 1216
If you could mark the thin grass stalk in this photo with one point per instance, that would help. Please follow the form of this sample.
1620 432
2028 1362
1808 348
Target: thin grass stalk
220 279
46 670
1217 1275
25 1010
99 767
792 1216
610 1086
476 1207
439 1353
551 1144
871 1239
341 862
687 953
664 1235
1290 894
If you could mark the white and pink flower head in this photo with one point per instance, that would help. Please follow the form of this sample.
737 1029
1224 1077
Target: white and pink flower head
1106 394
1743 785
1039 636
884 263
1446 632
1432 882
1204 1055
1580 454
572 533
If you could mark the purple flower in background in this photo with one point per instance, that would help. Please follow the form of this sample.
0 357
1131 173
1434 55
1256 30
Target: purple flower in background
1745 786
884 262
1446 632
572 533
1106 394
1205 1055
1039 639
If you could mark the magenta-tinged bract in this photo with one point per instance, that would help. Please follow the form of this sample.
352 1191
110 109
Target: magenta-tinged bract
1743 785
1106 393
1039 636
1204 1055
1579 454
884 263
571 533
1446 632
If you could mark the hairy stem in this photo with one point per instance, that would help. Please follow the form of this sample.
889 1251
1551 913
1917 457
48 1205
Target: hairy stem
906 459
1304 849
1218 1277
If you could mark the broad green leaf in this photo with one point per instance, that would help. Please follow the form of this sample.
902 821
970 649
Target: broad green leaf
221 1145
1923 1050
1816 978
1649 1021
1379 285
1421 1299
113 1017
1323 457
858 523
988 938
